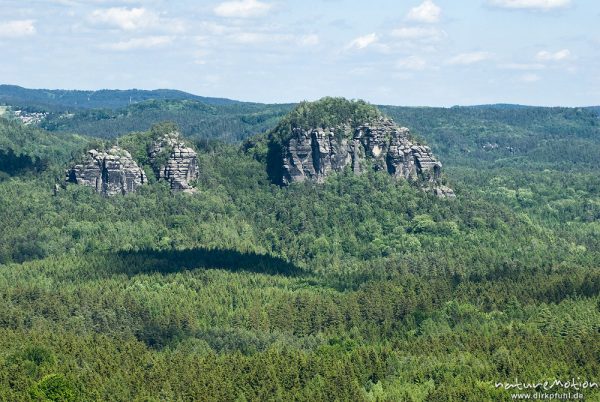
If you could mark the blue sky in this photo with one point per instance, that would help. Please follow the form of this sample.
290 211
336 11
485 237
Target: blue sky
402 52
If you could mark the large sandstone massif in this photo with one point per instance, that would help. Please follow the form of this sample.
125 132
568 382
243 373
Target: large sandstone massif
115 172
314 153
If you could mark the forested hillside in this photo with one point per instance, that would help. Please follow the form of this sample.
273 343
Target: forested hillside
59 99
513 135
231 122
361 288
524 137
24 149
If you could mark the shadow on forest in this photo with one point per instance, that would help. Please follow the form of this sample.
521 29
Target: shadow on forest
170 261
13 164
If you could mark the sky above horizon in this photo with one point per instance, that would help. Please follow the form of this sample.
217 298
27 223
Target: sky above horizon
421 52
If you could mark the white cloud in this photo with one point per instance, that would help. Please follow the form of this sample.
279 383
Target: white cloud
237 33
17 28
415 63
216 29
309 40
361 70
201 55
469 58
251 38
531 4
529 77
272 38
135 19
242 9
419 33
427 12
128 19
560 55
140 43
71 3
522 66
363 42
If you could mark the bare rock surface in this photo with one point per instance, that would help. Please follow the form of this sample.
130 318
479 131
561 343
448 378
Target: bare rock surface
312 154
175 162
109 172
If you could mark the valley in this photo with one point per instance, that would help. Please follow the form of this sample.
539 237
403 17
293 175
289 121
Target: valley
339 283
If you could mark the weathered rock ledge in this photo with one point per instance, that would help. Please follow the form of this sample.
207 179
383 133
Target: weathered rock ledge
382 145
109 172
114 171
175 162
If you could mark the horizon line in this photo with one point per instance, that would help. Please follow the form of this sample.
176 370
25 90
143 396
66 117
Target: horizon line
487 104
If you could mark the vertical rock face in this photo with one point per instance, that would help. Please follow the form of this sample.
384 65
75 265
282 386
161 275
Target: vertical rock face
115 172
175 162
109 173
314 153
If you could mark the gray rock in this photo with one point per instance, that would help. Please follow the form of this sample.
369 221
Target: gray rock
315 153
109 172
444 192
175 162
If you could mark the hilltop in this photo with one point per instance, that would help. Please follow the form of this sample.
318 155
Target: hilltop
64 99
332 135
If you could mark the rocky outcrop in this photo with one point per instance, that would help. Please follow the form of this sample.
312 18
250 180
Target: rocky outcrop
314 153
115 172
108 172
442 191
174 162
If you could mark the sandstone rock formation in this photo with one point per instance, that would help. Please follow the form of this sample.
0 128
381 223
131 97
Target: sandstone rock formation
314 153
108 172
174 161
115 172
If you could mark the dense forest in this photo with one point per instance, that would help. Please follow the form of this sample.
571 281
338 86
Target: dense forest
231 122
362 288
59 99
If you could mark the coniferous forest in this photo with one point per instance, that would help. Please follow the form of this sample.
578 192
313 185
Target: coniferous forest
362 288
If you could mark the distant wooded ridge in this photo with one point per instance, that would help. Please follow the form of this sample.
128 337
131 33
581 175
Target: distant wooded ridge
118 98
